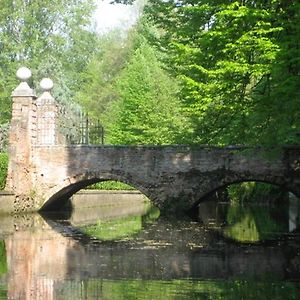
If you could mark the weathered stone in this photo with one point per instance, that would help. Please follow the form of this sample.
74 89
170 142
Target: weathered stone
173 177
6 202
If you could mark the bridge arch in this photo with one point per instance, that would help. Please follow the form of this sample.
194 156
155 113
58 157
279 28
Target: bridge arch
62 193
222 180
223 186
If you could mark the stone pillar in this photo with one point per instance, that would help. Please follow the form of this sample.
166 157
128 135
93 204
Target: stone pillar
47 115
22 138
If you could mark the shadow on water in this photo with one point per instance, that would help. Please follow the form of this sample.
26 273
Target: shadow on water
140 255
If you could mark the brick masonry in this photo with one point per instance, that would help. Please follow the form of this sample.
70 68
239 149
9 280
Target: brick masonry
173 177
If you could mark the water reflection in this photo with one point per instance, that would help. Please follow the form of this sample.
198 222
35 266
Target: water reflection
251 223
179 290
149 258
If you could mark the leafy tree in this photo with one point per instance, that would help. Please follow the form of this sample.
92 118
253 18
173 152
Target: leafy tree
238 62
147 111
98 81
34 33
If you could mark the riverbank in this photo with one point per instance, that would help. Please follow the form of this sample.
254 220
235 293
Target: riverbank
89 200
93 198
95 204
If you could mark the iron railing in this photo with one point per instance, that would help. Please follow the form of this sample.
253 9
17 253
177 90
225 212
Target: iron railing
81 129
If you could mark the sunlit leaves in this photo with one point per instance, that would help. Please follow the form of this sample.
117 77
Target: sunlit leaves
147 111
98 89
230 58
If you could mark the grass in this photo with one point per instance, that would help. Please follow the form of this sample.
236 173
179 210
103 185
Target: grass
111 185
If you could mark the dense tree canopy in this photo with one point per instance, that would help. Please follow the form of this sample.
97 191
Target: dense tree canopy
147 110
238 62
197 71
98 88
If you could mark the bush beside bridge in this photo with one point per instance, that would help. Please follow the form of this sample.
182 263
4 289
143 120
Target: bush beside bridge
3 169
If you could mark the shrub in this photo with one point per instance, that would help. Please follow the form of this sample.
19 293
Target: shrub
3 169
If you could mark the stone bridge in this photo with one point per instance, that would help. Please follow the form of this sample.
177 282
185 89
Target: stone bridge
44 171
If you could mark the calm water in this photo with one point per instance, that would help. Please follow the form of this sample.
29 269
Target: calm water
233 252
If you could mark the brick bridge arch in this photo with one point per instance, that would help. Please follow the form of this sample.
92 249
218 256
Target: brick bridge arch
83 180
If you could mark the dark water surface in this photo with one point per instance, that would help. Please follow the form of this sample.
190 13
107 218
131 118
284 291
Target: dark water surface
233 252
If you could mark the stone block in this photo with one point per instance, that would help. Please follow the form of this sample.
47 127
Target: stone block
6 202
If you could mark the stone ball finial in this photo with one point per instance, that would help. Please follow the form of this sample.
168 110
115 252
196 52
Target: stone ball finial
23 74
46 84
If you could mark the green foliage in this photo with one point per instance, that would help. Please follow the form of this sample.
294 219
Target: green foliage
114 229
147 111
123 228
52 38
241 228
3 262
111 185
255 192
152 215
3 169
98 85
252 224
238 62
233 289
194 71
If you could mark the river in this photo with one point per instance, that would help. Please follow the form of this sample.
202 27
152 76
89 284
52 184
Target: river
131 252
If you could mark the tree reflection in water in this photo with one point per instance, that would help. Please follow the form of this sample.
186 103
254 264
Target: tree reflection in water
163 259
255 223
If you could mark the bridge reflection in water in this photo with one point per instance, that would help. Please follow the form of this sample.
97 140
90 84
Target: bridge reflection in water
163 259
